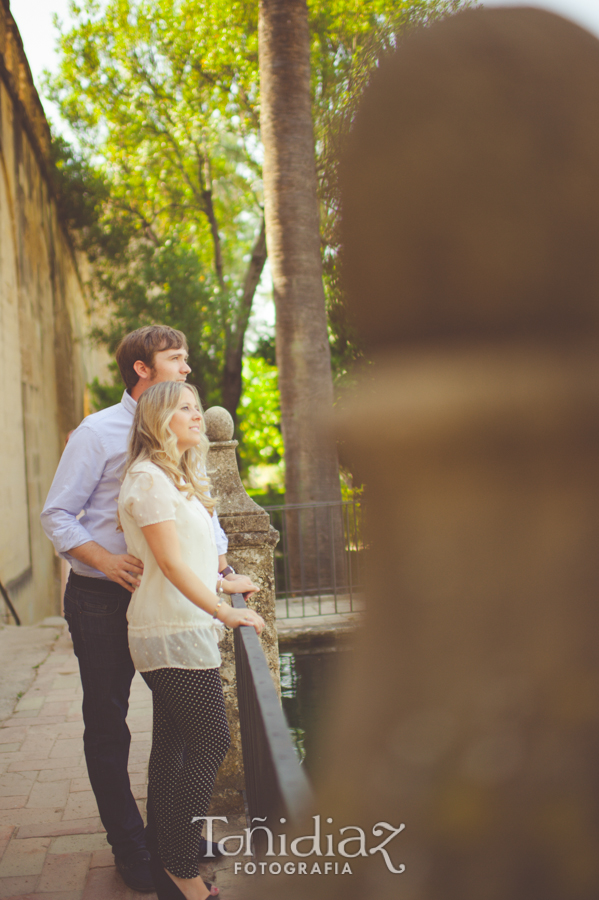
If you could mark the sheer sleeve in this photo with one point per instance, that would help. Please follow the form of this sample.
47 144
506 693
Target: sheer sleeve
151 498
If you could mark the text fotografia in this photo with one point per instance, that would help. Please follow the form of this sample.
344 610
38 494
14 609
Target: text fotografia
350 843
291 868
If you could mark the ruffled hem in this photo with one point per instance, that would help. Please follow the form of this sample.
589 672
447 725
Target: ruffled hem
166 629
193 648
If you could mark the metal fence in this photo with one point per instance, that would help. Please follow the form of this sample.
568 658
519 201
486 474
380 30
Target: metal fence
276 784
9 606
319 558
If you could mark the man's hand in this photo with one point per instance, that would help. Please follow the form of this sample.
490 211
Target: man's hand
121 568
124 569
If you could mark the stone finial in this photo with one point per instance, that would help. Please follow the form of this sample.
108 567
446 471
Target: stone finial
219 424
241 513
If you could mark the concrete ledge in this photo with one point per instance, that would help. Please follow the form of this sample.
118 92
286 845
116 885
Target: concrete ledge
317 629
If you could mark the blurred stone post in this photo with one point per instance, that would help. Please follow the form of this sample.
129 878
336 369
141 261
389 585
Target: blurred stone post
469 711
252 540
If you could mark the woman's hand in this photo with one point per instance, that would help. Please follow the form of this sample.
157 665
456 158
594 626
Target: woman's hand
235 617
238 584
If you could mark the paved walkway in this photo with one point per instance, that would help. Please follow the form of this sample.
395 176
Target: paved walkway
52 844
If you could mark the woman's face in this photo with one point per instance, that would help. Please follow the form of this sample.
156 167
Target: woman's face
186 421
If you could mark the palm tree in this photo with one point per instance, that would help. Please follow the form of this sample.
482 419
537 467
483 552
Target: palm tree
293 241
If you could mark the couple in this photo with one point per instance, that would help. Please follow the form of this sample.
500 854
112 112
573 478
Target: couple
171 553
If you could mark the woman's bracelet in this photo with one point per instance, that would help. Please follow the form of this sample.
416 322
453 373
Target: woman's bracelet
215 613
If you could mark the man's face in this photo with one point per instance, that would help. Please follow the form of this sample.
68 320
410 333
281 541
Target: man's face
169 365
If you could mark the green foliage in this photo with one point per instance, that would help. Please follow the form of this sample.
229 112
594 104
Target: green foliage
80 190
147 282
260 420
163 93
166 284
162 97
349 491
107 394
165 187
265 348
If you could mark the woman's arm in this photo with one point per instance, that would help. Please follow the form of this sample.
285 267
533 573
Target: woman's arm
163 541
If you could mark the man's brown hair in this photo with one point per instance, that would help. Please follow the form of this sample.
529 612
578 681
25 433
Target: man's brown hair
143 344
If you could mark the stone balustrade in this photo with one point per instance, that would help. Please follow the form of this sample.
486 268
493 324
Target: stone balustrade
252 540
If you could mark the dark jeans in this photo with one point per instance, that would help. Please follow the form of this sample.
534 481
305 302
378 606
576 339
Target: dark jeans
96 611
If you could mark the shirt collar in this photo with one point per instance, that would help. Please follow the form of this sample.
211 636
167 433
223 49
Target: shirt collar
129 403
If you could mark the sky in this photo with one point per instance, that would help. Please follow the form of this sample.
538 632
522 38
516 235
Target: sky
34 21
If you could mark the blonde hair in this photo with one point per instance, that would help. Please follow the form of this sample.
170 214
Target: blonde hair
152 439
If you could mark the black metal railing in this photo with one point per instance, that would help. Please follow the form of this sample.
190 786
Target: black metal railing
9 605
276 784
319 559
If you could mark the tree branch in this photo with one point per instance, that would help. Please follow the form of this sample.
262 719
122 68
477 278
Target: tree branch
236 336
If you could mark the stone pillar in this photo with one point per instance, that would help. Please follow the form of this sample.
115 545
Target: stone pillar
252 540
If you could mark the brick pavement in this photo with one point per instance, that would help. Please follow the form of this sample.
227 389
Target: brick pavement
52 844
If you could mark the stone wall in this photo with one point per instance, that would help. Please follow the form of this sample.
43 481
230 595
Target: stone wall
45 359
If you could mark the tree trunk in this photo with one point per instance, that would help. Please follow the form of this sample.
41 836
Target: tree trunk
231 381
293 241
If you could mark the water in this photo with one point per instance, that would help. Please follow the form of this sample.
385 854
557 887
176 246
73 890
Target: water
308 677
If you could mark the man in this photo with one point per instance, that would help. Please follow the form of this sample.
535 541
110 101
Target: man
102 579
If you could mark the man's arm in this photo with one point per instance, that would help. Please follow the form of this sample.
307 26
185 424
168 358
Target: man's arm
79 471
126 570
78 474
222 542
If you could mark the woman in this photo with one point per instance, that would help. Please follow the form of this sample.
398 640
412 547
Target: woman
175 618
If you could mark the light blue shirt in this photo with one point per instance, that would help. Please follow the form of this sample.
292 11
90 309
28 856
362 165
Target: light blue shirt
88 479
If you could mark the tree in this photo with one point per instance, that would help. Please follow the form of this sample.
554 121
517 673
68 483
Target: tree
163 98
302 344
166 284
293 238
145 281
163 95
315 61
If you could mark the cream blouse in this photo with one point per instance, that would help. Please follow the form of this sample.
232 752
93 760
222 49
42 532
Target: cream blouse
165 628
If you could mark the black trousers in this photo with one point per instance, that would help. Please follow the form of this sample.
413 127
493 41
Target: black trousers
96 611
190 740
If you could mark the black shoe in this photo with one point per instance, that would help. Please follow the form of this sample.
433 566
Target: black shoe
151 839
205 846
135 871
166 889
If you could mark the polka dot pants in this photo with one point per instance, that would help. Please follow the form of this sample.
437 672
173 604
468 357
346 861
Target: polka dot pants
190 739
